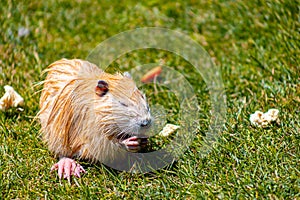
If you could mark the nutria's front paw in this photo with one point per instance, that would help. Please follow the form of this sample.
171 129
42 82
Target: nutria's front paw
68 167
134 144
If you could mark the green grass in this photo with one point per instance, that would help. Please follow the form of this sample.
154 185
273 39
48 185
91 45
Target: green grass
255 43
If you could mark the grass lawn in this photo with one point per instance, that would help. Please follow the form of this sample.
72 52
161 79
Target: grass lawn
255 44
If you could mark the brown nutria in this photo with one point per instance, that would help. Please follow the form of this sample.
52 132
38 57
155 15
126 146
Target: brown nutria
86 113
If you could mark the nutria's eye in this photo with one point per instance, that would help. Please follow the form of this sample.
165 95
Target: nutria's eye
101 88
123 104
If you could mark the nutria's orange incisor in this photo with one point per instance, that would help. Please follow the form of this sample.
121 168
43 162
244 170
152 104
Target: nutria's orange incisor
86 113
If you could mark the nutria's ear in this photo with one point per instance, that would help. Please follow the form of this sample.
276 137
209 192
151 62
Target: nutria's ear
127 74
101 88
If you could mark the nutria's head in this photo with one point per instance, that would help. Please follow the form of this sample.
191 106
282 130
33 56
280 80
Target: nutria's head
122 111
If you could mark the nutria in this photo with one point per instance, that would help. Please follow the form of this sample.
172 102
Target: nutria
89 114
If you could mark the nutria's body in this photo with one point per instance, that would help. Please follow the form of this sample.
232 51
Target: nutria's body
87 113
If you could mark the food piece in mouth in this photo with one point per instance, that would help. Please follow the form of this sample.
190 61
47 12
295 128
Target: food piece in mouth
143 141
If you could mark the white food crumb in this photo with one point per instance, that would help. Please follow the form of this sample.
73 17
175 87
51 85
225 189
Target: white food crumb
10 99
261 119
168 130
23 32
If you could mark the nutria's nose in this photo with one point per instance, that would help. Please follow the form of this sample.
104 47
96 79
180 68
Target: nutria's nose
145 122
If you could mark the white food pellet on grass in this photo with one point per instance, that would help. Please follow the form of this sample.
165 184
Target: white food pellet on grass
168 130
261 119
10 99
23 32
